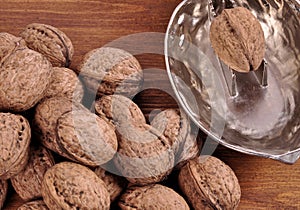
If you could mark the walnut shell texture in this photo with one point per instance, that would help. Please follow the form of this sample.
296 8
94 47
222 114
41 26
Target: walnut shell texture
72 186
88 138
3 192
238 39
152 197
27 183
65 83
209 183
47 112
144 156
115 184
108 71
49 41
24 77
15 134
174 125
34 205
8 44
119 110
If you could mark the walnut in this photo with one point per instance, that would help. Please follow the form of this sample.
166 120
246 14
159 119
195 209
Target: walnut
208 183
15 134
119 110
72 186
49 41
88 138
24 77
238 39
144 155
47 113
108 71
152 197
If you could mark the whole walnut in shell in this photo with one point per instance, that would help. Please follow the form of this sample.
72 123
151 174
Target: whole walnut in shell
238 39
72 186
15 134
24 77
47 113
144 155
152 197
54 44
208 183
107 71
88 138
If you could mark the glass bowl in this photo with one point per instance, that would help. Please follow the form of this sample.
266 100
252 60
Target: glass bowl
236 109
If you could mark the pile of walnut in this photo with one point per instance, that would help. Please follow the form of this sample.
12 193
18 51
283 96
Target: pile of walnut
59 154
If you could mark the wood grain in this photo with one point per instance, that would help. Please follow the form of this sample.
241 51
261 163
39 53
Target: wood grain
266 184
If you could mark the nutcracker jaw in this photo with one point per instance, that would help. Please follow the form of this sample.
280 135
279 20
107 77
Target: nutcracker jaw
230 76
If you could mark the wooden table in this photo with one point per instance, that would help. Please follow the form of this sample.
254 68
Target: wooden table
265 184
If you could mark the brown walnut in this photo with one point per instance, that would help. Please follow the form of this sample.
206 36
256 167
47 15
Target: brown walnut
238 39
72 186
107 71
49 41
24 77
209 183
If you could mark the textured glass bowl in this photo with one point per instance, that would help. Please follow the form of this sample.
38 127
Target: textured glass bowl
259 120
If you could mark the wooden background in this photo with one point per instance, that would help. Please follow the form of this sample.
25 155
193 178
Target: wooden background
265 184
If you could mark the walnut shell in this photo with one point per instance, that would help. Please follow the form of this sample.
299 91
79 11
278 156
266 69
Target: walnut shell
24 77
34 205
88 138
27 183
119 110
49 41
65 83
115 184
72 186
238 39
152 197
144 155
8 44
176 126
46 115
108 71
208 183
3 192
15 137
